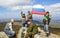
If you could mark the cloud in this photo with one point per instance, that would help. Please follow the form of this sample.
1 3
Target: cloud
15 4
26 7
15 8
38 6
53 7
9 15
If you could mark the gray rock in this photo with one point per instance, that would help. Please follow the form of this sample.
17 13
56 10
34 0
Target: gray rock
3 35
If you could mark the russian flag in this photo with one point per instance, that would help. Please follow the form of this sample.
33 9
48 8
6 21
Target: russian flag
38 9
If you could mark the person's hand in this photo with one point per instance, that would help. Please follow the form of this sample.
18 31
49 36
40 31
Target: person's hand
46 22
13 31
29 22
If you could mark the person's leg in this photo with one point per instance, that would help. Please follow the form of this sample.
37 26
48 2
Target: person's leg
9 32
44 22
23 25
44 27
27 25
47 30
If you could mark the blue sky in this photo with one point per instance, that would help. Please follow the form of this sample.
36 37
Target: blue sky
46 2
10 8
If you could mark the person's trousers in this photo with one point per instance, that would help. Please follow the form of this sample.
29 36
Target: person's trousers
47 28
23 24
44 26
44 22
9 32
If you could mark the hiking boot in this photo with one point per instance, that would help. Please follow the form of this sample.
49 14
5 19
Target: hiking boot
47 34
39 33
14 36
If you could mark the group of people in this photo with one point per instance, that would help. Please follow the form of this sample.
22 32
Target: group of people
24 21
32 27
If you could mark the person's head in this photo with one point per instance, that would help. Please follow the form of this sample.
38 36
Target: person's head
12 21
29 12
28 21
47 13
23 14
44 15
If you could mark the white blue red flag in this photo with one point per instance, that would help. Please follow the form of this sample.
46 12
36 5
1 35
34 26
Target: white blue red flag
38 10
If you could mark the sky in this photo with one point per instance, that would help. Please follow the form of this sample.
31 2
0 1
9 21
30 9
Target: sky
12 8
46 2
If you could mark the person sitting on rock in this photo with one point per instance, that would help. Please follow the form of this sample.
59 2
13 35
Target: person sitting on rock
32 30
9 30
27 23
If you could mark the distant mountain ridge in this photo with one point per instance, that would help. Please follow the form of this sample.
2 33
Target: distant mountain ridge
35 21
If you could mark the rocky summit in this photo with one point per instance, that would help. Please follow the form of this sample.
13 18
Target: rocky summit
3 35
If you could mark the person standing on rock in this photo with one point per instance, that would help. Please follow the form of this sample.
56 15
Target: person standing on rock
9 29
46 22
23 19
23 24
29 16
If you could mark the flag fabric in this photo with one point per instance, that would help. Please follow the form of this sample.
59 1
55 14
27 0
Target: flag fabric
39 11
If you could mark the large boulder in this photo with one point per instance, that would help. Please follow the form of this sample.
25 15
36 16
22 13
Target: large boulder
20 32
43 35
3 35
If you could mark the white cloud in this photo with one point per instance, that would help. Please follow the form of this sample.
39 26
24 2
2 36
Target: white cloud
15 4
26 7
53 7
15 7
9 15
38 6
